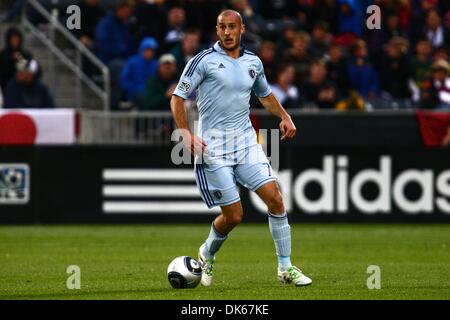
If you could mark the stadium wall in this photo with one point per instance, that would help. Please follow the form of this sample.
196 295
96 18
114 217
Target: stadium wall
124 184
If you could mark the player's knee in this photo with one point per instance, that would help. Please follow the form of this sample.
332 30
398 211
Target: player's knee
275 203
234 219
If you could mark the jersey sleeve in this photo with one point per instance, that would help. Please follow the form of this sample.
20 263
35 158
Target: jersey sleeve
261 86
193 75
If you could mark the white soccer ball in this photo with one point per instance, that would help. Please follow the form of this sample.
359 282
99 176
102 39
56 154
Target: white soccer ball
184 272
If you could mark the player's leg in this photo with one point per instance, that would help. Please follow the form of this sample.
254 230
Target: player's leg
255 173
281 234
230 217
218 188
278 222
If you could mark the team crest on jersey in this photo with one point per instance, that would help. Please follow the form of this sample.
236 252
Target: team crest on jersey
184 86
252 73
218 194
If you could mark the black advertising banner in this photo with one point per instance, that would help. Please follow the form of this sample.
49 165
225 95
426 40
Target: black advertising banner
111 184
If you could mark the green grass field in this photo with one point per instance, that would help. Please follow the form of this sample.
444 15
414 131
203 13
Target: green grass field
129 262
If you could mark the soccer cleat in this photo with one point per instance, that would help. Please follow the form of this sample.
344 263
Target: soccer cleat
294 275
207 267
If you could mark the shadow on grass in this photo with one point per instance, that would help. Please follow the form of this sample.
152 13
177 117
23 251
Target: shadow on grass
84 294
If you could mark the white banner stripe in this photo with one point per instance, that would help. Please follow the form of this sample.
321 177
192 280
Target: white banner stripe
157 207
149 174
155 191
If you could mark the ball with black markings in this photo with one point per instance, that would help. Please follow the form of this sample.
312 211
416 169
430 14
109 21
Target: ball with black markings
184 272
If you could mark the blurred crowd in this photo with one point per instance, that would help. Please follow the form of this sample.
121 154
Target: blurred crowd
316 53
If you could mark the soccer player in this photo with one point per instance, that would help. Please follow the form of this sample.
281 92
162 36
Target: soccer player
226 148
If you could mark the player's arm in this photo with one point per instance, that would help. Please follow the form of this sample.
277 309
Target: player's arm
271 104
195 144
192 76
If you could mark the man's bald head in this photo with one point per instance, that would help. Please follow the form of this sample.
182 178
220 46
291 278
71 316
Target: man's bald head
232 14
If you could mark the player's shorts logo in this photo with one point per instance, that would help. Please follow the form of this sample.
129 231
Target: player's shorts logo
217 194
184 86
252 73
14 183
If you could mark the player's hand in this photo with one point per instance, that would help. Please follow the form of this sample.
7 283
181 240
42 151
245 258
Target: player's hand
287 128
196 145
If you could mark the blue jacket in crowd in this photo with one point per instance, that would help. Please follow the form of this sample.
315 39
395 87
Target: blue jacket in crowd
138 70
353 21
113 40
363 78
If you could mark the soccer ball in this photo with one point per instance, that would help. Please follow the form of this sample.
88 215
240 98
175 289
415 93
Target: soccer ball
184 272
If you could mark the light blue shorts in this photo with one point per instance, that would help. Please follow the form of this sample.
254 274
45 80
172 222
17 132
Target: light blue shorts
217 176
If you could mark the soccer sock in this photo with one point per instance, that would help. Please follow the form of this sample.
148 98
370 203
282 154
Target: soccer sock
214 241
281 234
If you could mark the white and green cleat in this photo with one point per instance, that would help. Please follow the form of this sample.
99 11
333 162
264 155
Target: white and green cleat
207 267
294 275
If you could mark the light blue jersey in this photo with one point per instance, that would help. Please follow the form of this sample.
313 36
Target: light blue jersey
233 155
224 87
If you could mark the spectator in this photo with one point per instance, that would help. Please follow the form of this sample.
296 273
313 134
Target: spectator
284 43
91 13
138 69
150 18
350 17
363 77
419 16
326 10
436 92
254 24
161 86
395 73
337 69
299 56
267 56
11 55
441 53
421 66
15 10
318 90
284 88
202 14
25 90
434 30
188 48
379 37
320 39
176 18
114 41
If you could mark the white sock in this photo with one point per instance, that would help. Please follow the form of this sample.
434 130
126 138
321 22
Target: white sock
214 241
281 234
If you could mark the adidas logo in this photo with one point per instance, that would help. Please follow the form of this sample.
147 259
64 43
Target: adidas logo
221 66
